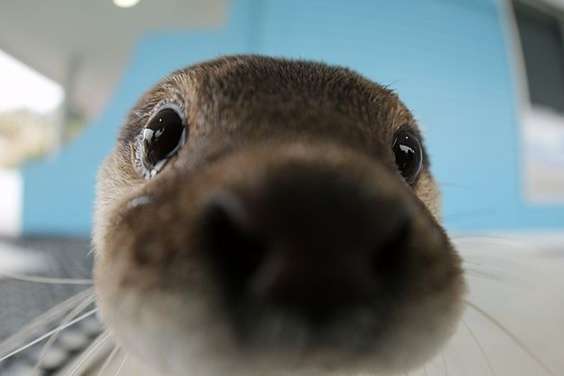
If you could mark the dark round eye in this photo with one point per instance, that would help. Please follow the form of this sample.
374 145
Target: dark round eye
409 155
163 135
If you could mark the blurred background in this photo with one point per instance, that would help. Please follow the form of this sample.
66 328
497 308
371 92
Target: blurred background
484 78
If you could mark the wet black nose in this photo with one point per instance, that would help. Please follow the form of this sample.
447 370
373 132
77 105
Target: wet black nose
311 243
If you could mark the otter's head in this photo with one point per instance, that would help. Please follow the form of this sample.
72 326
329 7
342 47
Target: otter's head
265 216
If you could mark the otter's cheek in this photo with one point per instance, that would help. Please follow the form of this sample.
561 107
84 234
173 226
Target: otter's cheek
162 330
429 194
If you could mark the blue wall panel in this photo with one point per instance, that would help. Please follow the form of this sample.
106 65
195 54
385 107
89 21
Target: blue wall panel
449 62
446 58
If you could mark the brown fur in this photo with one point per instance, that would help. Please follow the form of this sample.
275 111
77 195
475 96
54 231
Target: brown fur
253 120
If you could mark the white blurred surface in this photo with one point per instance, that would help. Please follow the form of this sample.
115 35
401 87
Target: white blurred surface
518 280
11 202
17 260
17 80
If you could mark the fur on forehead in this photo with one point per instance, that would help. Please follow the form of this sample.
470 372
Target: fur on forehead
277 85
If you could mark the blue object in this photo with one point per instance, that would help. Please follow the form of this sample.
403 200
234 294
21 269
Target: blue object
448 59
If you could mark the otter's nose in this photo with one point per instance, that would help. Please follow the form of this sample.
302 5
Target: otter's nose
312 243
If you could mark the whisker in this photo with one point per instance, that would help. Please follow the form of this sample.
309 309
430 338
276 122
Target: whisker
108 361
480 274
470 215
499 268
489 274
121 365
481 237
102 338
46 280
41 320
445 368
508 333
511 242
454 185
47 335
72 314
471 262
482 350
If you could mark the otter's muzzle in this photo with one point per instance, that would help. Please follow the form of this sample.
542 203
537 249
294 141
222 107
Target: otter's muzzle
309 239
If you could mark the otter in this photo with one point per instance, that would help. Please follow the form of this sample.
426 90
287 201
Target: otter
265 216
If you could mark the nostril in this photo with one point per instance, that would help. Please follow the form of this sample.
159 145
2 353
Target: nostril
389 255
232 247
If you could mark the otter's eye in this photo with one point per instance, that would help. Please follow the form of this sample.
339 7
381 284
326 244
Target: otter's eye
161 138
409 155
